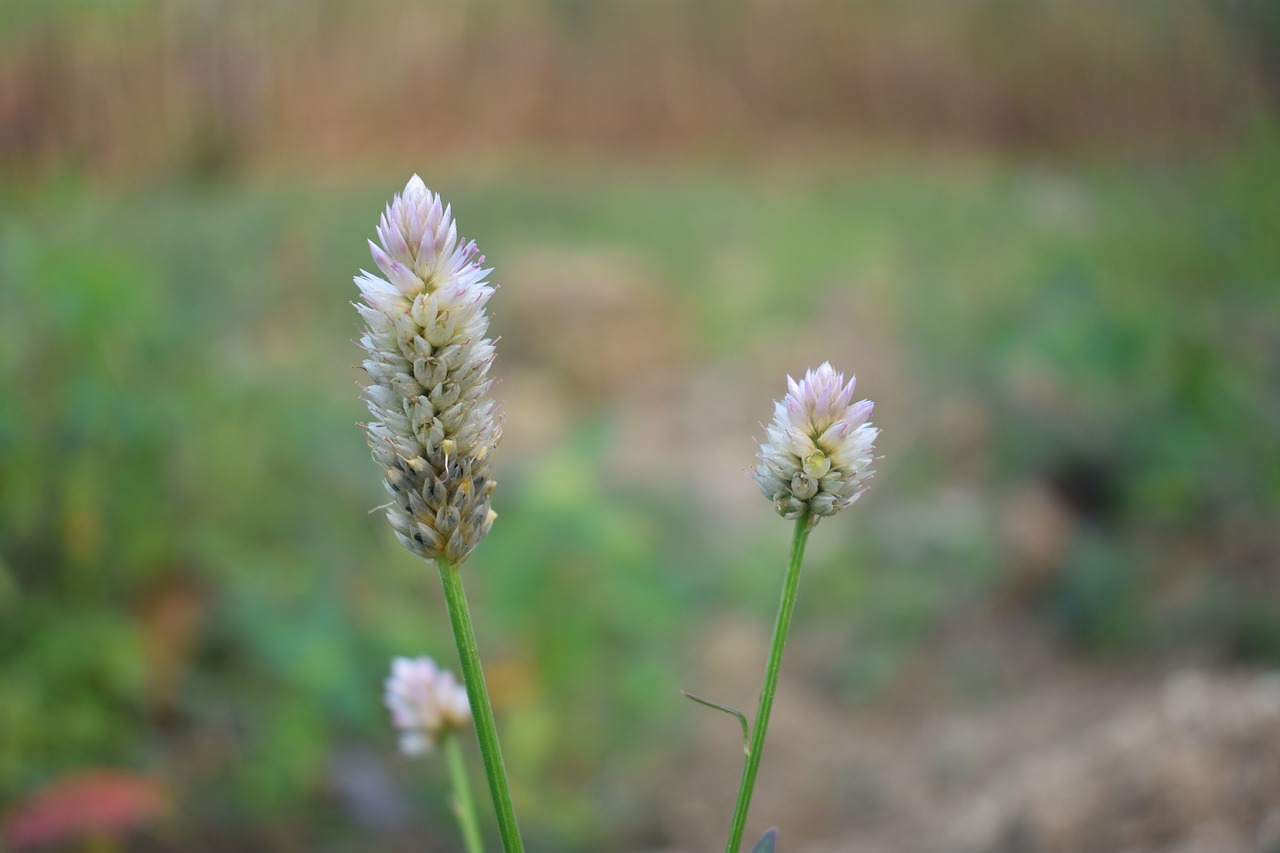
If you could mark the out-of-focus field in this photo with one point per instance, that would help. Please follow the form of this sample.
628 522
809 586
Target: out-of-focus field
1073 342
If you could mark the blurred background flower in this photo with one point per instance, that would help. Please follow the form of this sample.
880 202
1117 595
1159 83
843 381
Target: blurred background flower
1041 233
425 702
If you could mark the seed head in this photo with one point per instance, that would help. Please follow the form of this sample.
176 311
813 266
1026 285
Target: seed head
818 448
428 361
426 702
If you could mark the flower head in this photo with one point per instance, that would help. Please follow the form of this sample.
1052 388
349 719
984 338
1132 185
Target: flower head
428 359
818 448
426 702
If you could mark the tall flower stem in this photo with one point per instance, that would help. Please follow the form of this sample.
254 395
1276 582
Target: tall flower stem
761 727
464 808
481 710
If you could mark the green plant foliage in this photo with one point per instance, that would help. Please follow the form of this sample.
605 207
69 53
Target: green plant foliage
767 843
190 578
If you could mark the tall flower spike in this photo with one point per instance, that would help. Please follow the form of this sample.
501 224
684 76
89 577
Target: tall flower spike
425 702
818 448
428 359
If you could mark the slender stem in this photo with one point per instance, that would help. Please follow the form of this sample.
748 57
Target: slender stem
464 808
780 628
481 710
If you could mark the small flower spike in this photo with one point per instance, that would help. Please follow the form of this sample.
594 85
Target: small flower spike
818 449
428 358
426 702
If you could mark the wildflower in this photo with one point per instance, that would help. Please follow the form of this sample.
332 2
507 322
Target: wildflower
819 446
428 359
426 702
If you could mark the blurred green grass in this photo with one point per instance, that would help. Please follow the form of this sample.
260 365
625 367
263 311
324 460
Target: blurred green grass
191 580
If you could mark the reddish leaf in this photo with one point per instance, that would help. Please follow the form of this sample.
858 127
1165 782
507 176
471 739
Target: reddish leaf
87 804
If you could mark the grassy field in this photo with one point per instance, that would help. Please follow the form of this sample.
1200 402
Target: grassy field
192 585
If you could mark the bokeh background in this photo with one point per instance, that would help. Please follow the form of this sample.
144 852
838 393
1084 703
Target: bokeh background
1045 235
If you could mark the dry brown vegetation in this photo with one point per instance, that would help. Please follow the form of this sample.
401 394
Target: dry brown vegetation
204 87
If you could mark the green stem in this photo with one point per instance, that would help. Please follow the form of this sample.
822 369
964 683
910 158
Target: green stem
780 628
464 808
481 710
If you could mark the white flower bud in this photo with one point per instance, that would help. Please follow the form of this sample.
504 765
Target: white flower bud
428 362
818 449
